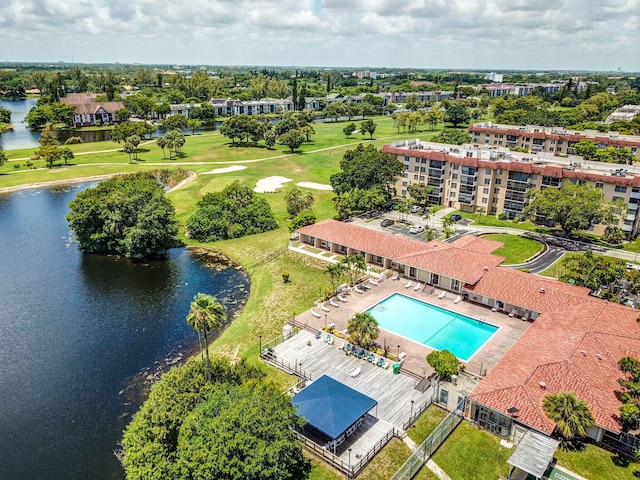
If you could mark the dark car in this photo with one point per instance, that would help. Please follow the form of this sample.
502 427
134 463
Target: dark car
456 217
386 222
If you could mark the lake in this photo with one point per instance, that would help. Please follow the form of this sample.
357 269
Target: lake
81 336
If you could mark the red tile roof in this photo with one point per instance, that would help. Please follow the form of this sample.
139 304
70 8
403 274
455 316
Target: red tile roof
461 262
575 348
531 292
477 244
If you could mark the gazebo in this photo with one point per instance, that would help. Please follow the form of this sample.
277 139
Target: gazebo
532 456
332 408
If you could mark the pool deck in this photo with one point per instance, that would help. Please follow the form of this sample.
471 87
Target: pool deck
511 329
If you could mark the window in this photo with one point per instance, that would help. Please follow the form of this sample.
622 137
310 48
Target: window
494 209
422 178
454 185
617 198
404 184
423 169
496 191
485 200
621 189
485 191
487 171
452 194
416 168
456 167
415 177
599 185
487 181
424 160
406 159
498 181
454 176
444 396
499 171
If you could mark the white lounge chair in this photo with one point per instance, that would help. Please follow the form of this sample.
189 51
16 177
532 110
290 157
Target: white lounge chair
525 317
373 282
442 294
408 285
365 286
395 277
315 314
513 313
495 308
357 290
457 299
342 299
323 308
356 372
417 287
333 304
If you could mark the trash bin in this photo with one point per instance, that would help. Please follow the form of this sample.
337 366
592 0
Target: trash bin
396 368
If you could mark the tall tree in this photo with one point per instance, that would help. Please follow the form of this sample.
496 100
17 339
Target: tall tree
368 126
205 314
456 113
570 414
420 192
572 207
363 329
444 363
297 201
49 150
292 139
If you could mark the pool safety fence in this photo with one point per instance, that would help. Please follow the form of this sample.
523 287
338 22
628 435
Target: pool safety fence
427 448
301 326
416 411
356 463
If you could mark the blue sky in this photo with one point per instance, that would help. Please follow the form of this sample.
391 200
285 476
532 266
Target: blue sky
474 34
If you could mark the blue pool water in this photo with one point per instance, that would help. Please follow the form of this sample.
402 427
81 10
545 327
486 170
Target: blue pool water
432 326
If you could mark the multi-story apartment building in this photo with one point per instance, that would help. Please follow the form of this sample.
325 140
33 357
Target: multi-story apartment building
495 180
229 106
554 140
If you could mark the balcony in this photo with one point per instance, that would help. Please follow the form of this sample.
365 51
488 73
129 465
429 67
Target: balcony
517 187
467 199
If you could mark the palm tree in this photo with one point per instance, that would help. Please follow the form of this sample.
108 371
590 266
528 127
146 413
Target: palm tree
335 271
571 415
205 314
363 329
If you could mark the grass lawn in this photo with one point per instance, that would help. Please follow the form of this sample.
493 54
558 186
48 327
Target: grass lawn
471 454
516 249
493 221
596 463
426 424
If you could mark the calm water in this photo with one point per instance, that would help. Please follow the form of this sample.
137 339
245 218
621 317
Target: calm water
77 332
431 325
20 136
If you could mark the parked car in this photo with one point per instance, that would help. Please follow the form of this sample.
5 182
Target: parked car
387 222
417 209
456 217
416 229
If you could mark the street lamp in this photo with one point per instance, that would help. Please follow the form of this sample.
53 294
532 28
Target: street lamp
411 416
398 351
349 458
325 320
260 337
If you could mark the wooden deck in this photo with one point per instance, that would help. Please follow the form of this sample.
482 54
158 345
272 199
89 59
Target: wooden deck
392 392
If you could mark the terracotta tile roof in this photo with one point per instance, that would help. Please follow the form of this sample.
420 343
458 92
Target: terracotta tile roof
532 292
576 349
446 259
361 238
477 244
92 108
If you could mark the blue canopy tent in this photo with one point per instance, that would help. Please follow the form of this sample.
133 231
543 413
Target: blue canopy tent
332 407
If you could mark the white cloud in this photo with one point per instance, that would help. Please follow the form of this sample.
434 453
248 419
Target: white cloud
498 34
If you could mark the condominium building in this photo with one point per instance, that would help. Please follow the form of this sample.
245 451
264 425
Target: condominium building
538 139
494 180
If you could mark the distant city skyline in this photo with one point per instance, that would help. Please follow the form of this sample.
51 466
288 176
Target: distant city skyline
595 35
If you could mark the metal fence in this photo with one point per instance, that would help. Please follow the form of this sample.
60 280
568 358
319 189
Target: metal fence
416 412
351 470
420 456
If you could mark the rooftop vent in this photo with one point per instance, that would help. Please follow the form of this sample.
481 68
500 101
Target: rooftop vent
583 352
485 268
598 356
541 290
543 385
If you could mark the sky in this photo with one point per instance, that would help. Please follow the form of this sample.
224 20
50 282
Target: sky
445 34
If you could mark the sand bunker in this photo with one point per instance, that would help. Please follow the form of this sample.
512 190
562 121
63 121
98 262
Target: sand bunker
315 186
270 184
232 168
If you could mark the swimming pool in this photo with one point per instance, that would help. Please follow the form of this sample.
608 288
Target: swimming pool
432 326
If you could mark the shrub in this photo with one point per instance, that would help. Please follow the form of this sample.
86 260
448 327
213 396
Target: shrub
73 140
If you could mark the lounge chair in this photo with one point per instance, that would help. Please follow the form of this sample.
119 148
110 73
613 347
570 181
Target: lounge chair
324 308
495 308
315 314
513 313
330 342
525 317
408 285
385 365
318 335
342 299
333 304
354 349
442 294
371 358
365 286
362 353
380 362
347 349
373 282
402 356
356 372
417 287
327 338
457 300
357 290
395 277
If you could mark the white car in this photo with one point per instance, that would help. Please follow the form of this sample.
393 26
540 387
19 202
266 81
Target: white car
416 229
